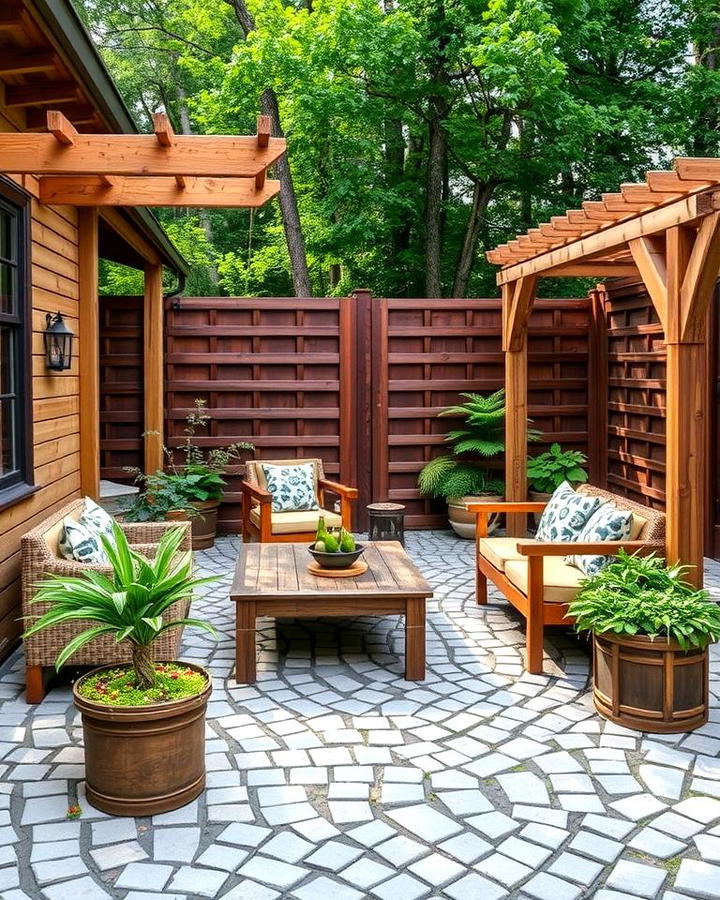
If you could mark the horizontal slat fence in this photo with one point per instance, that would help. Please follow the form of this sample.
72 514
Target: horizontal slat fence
357 381
426 352
121 386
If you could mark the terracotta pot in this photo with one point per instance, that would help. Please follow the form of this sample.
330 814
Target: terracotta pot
649 685
462 522
176 515
143 760
204 524
538 497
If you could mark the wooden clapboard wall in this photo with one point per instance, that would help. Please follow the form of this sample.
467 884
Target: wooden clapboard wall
55 404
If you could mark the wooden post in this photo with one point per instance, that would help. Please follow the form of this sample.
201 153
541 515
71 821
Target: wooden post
154 361
685 456
89 352
362 298
598 390
515 346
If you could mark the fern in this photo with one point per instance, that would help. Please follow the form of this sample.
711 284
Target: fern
449 478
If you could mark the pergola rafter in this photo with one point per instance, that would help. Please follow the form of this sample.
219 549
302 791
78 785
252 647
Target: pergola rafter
666 232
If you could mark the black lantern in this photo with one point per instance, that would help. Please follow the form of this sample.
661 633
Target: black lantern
58 343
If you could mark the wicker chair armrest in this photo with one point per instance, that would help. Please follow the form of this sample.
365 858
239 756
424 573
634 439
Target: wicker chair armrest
139 533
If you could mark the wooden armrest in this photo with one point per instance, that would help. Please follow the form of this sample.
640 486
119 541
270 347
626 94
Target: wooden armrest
510 506
335 488
574 548
257 493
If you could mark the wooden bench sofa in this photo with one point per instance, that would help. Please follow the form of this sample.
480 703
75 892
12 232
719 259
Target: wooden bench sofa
533 575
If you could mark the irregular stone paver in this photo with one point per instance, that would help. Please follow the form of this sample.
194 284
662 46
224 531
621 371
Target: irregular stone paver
332 778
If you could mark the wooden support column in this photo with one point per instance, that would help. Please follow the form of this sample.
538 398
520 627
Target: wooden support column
154 363
692 263
89 352
517 304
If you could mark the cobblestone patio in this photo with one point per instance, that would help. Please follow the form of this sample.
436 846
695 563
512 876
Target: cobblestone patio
334 779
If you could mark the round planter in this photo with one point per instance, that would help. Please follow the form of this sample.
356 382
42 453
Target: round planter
462 522
649 685
143 760
538 497
204 524
176 515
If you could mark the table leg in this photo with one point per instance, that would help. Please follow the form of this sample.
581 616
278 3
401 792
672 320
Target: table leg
414 640
245 652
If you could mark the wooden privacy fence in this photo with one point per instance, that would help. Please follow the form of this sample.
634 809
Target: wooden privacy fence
358 381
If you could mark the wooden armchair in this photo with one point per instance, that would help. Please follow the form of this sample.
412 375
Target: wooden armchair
533 576
260 523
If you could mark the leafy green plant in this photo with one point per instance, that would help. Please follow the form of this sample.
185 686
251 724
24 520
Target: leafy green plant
548 470
127 604
641 595
197 479
449 478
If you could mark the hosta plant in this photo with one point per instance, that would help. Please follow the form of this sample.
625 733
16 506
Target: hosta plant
548 470
127 604
640 595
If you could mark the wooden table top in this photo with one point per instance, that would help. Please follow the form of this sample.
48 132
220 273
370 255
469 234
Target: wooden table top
280 570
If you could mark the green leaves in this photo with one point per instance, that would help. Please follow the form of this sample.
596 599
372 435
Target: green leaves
548 470
640 595
129 604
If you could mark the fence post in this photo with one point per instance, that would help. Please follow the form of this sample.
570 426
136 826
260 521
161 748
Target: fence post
363 447
597 396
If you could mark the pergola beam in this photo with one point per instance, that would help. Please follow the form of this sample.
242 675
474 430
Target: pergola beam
155 191
137 154
649 257
615 237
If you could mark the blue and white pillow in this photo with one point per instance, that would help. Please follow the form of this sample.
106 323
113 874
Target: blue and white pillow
607 523
292 487
96 519
565 515
80 543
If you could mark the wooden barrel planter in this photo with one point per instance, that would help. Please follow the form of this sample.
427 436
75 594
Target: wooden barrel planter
204 524
143 760
649 685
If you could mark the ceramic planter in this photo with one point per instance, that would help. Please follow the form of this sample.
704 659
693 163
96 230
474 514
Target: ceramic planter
649 685
143 760
462 522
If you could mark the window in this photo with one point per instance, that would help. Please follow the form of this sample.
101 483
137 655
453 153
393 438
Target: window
15 350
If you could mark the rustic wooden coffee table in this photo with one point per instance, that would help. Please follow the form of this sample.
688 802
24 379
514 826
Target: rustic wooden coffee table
273 580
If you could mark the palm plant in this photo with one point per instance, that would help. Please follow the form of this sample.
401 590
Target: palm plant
128 604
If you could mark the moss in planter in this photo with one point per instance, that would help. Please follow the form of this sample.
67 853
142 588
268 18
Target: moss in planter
117 687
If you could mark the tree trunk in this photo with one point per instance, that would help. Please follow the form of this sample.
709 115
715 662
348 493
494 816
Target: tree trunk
203 216
436 167
482 194
288 201
142 662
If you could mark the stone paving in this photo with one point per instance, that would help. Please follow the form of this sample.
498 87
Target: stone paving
333 778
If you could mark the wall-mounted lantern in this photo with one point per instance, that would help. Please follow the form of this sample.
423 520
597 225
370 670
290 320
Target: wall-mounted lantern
58 343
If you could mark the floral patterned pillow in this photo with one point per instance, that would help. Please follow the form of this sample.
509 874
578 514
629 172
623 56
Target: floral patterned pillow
80 543
608 523
565 515
292 487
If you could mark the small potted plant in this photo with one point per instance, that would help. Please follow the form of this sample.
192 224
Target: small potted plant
190 489
650 634
143 722
548 470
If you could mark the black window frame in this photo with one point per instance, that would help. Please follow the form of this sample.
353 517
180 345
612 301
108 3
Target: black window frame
20 482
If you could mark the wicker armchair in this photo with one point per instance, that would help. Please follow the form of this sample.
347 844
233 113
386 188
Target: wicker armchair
40 558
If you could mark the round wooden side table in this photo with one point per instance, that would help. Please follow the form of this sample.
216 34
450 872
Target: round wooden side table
387 522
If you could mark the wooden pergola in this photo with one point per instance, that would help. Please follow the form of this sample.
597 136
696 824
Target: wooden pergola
666 232
93 171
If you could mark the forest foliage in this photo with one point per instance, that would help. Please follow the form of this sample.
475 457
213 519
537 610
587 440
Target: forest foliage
420 132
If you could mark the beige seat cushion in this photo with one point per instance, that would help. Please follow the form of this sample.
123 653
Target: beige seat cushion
561 580
636 526
499 550
292 522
